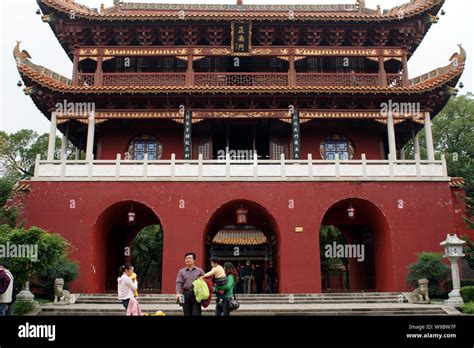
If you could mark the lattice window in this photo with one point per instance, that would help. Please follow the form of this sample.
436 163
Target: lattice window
336 146
205 148
211 64
145 145
277 147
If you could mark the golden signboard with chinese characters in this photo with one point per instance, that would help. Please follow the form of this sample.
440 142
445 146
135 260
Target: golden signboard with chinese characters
241 41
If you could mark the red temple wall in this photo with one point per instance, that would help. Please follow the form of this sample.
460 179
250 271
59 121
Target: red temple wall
460 212
364 137
115 137
424 221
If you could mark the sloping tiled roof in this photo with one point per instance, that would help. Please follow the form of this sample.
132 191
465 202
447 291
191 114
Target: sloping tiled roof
239 237
46 78
457 182
338 12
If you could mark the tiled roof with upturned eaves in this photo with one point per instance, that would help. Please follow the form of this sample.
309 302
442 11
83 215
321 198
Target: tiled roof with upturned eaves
337 12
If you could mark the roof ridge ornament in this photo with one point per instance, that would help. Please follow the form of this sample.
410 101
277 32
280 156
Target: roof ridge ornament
20 56
460 57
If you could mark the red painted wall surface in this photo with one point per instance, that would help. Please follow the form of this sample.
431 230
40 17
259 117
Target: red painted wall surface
364 137
424 221
115 137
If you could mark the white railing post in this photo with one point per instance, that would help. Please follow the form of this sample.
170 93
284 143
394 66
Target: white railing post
445 165
391 163
282 166
418 165
37 164
255 165
145 165
227 165
310 165
338 166
173 165
63 166
364 165
200 164
117 165
90 168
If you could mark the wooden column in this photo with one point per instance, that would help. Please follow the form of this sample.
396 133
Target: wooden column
392 143
90 137
416 142
291 71
405 69
52 137
429 137
98 70
75 72
64 141
382 72
190 72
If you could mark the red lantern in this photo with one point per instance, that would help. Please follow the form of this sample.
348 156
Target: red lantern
242 216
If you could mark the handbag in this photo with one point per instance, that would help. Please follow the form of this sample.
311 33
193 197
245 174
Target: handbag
234 304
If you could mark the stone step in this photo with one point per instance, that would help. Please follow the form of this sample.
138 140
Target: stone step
259 301
253 312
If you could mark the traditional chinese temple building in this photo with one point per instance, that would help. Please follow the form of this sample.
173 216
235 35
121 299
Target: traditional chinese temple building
241 130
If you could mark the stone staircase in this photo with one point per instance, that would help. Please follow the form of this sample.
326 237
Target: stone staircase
333 304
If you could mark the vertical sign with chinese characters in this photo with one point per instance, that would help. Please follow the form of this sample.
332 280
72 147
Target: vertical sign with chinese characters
188 121
295 134
241 37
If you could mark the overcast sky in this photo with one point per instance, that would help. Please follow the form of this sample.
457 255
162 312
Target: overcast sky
19 22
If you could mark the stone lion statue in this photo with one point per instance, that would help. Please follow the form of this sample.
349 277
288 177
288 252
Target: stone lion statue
421 294
61 295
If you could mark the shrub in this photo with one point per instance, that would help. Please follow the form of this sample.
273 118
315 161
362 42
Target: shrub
430 266
23 307
44 282
468 308
467 282
467 294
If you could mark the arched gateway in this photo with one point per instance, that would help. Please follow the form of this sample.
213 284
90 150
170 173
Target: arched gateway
241 231
356 250
112 238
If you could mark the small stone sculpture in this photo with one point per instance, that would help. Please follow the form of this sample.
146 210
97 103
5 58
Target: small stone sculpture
421 294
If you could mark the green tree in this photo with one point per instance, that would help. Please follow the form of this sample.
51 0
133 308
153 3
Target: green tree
147 254
327 236
6 216
430 266
453 136
18 152
51 250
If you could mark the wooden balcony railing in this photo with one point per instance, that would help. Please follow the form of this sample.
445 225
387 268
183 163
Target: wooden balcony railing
241 79
232 79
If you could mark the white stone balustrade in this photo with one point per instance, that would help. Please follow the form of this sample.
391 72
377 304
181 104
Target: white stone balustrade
240 170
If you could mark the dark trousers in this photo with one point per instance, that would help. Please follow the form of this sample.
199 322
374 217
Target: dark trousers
223 308
271 285
125 303
259 285
191 307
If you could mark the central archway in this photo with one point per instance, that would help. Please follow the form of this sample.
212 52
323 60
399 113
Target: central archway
361 245
112 238
241 231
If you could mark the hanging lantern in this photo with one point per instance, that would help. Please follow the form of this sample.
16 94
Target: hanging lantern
351 212
131 216
241 216
19 84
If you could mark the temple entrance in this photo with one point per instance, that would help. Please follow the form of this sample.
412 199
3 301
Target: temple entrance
240 232
127 232
355 248
241 139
